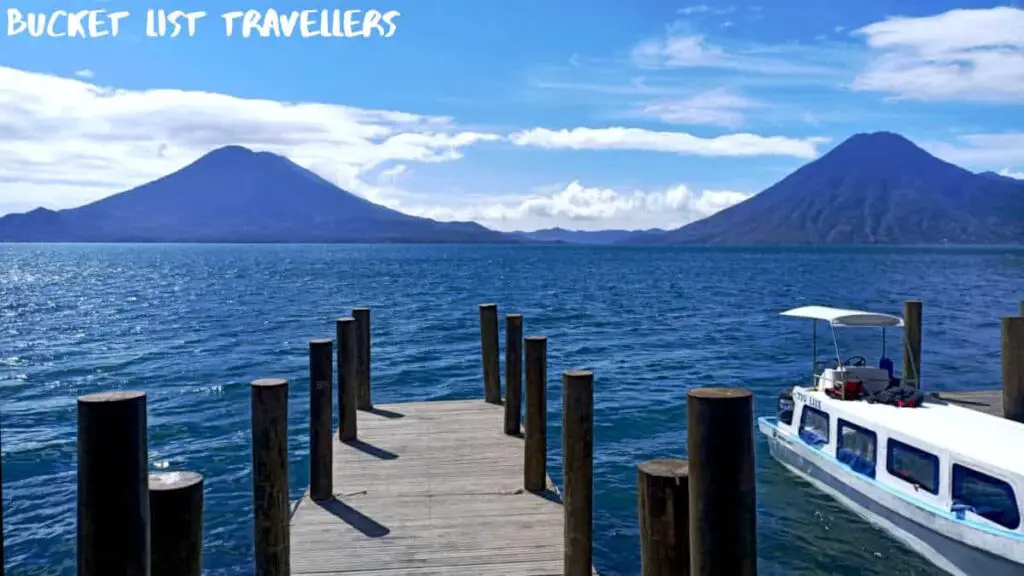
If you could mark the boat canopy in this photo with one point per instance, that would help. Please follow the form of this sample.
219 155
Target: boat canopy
840 318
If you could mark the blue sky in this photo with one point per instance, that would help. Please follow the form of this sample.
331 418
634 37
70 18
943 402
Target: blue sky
518 114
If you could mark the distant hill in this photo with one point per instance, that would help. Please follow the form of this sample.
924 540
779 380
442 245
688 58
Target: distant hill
234 194
999 177
872 188
561 235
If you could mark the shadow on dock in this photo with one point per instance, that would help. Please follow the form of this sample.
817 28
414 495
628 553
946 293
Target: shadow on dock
354 518
370 449
386 413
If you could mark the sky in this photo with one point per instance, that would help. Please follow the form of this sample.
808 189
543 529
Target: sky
518 114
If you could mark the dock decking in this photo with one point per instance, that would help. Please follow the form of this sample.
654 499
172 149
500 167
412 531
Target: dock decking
987 401
429 488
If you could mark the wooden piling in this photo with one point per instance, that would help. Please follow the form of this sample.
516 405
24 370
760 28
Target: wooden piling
535 470
1013 368
362 317
321 419
664 507
513 373
578 469
270 476
113 485
176 520
348 393
723 521
912 342
1 505
489 352
1021 308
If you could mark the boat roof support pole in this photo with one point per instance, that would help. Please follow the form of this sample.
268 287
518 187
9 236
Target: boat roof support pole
835 342
814 352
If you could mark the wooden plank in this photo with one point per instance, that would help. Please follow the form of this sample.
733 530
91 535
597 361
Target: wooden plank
430 488
987 401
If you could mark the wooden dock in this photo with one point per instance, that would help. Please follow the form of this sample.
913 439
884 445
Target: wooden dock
429 488
442 488
987 401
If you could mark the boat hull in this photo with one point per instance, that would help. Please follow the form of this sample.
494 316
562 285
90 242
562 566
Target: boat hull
949 554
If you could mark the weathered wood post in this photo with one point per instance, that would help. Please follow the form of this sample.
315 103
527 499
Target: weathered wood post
113 484
578 467
176 519
723 520
348 392
513 373
1 505
1013 368
663 494
270 476
321 419
362 317
489 352
535 468
1021 308
912 342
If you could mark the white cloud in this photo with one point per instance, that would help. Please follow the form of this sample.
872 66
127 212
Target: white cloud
678 52
981 150
619 138
588 208
680 49
85 73
716 108
1012 174
695 9
957 55
391 174
65 142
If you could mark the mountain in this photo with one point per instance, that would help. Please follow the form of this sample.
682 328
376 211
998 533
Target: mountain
872 188
999 177
561 235
233 194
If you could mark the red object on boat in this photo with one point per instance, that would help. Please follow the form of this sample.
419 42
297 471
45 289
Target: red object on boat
852 389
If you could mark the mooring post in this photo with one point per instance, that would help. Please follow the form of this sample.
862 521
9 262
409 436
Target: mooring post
113 484
1021 308
176 520
663 494
489 352
1 502
270 476
535 468
348 393
362 317
912 342
1013 368
723 521
513 373
578 467
321 419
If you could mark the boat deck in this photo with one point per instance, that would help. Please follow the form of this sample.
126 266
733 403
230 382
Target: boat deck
429 488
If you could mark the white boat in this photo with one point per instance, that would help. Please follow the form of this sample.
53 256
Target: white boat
944 480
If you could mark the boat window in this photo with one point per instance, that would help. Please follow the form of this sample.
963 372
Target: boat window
814 426
988 497
913 465
857 448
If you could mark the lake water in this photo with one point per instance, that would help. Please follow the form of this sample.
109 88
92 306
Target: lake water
192 325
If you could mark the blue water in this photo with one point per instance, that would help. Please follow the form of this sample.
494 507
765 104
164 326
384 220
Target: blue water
192 325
